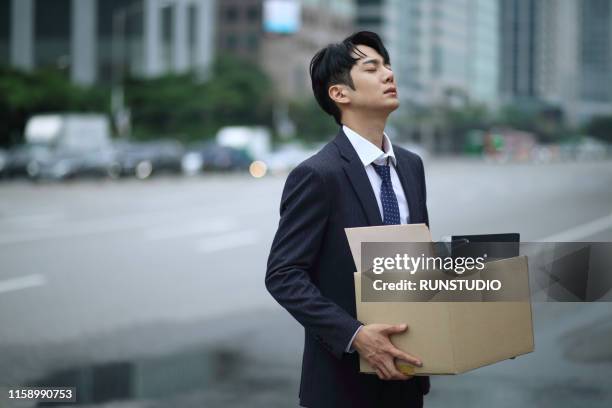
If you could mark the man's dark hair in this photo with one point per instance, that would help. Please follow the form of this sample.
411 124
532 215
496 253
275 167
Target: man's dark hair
332 66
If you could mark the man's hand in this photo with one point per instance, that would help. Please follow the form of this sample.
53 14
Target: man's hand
372 343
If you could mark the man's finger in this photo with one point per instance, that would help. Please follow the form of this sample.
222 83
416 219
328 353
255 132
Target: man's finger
394 373
399 354
383 370
396 328
380 374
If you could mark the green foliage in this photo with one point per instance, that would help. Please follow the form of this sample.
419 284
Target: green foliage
165 106
545 122
311 122
601 128
241 93
514 117
237 93
23 94
471 116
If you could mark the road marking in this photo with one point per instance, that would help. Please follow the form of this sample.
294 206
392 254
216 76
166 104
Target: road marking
581 231
202 227
23 282
81 228
34 220
114 224
228 241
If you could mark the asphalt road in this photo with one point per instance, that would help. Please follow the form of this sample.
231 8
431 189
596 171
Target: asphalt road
166 276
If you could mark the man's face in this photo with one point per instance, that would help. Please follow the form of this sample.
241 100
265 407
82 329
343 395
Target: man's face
374 83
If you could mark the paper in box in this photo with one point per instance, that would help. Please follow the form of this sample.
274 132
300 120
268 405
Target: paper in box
450 337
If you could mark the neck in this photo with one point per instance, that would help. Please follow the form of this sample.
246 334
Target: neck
369 127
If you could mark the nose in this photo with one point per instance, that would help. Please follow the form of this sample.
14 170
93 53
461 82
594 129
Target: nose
388 76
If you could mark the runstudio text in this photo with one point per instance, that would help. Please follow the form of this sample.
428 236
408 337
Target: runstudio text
437 285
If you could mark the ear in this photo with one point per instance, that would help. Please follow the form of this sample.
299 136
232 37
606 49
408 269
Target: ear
338 94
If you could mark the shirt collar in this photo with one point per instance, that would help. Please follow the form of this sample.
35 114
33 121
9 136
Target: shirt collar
367 151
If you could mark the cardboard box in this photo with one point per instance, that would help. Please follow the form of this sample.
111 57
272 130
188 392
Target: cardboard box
449 337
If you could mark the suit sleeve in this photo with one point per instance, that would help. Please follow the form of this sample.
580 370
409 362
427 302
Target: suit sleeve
304 213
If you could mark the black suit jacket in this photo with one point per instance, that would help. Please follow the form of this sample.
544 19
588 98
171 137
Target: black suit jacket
310 271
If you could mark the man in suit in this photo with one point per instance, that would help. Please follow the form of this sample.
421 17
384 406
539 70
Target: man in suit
358 179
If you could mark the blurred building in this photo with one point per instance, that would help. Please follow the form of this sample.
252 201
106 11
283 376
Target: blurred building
518 48
104 40
560 53
282 36
239 29
442 52
287 56
575 66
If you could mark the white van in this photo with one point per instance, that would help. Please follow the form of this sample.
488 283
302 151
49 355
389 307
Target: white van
79 144
69 131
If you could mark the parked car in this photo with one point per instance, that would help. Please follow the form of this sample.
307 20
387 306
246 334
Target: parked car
3 159
591 149
24 160
287 158
142 159
65 164
254 140
60 146
212 157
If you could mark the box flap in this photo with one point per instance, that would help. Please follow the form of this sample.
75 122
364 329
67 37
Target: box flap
384 233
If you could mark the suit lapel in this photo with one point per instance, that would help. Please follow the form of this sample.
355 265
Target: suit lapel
406 177
354 170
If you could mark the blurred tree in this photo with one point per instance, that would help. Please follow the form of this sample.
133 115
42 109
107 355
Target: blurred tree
546 122
467 117
237 93
165 105
516 117
240 92
601 128
441 128
311 122
447 128
463 121
23 94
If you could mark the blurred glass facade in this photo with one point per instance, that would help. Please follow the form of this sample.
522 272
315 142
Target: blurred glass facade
560 53
98 41
518 19
438 48
450 55
493 52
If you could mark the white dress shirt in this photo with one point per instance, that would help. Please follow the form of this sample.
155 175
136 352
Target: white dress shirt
370 153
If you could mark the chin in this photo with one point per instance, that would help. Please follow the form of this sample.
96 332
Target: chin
393 105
